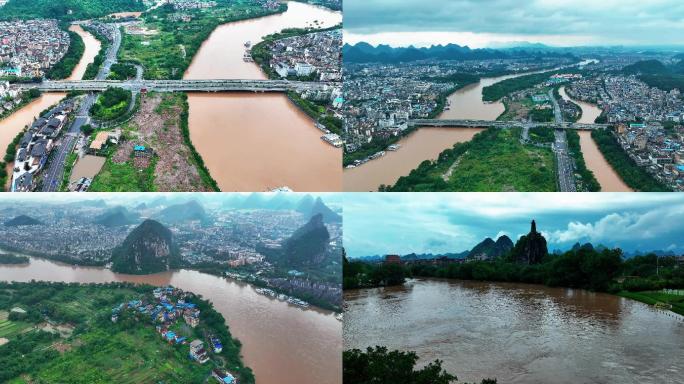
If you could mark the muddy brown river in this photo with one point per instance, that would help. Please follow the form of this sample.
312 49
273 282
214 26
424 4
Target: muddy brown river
282 343
421 145
258 142
520 333
427 143
92 48
605 174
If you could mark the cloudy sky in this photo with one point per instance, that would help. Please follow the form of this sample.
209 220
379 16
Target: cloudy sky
378 224
479 23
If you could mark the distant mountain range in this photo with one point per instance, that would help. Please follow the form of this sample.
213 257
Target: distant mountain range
366 53
178 213
307 205
655 67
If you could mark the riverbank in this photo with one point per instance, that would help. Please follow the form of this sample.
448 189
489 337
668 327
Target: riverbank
274 334
319 112
633 175
7 162
378 145
586 182
657 298
66 66
84 338
494 160
8 258
94 67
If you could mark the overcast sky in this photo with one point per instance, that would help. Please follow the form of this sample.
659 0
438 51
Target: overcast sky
479 23
440 223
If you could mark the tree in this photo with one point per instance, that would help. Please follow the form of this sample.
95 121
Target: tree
379 366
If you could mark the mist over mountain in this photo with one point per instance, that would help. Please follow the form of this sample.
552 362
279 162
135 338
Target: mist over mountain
189 211
306 204
319 208
117 216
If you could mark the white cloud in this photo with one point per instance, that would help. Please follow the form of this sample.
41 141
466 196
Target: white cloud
623 226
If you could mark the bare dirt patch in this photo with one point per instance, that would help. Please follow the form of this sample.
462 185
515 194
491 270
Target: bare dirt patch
158 127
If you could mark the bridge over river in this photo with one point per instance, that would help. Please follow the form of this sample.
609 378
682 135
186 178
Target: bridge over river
179 85
502 124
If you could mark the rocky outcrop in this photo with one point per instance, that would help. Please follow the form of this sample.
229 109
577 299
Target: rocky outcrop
531 248
149 248
308 245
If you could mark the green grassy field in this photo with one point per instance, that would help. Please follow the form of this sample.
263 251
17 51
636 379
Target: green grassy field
134 356
8 328
123 177
96 350
504 164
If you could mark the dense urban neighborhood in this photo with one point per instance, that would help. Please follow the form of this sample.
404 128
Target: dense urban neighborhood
30 48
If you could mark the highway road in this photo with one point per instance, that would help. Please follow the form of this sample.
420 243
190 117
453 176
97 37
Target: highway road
566 171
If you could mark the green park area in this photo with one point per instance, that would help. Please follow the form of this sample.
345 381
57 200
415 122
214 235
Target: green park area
170 44
111 104
64 333
495 160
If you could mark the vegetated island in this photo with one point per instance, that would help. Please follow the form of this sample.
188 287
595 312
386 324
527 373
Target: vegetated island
116 332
